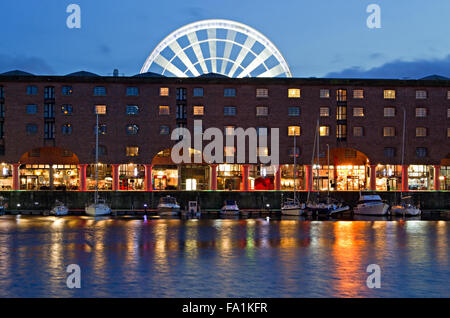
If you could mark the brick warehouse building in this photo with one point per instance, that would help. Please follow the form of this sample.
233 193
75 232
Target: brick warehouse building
47 130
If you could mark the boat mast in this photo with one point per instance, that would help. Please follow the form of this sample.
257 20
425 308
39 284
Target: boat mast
312 162
96 160
318 158
328 168
403 145
295 164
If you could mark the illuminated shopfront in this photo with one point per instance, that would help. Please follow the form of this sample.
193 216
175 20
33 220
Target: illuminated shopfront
444 178
65 177
351 177
104 177
324 177
49 177
165 177
131 177
194 177
229 177
420 177
388 177
287 177
6 180
261 177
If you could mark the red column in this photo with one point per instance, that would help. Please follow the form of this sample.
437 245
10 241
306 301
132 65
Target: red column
405 178
148 178
16 176
115 175
213 177
373 178
82 176
245 177
278 178
308 177
437 174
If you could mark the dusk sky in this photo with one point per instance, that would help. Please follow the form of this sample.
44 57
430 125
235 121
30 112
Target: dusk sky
317 38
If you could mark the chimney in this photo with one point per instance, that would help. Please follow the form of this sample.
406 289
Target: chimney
116 72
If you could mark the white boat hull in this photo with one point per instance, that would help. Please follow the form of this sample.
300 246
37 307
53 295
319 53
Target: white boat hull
340 210
59 211
400 210
226 211
292 211
377 208
98 209
168 209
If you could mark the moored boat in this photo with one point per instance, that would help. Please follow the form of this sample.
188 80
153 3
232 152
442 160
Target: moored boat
99 208
406 208
168 206
371 205
59 209
230 207
292 207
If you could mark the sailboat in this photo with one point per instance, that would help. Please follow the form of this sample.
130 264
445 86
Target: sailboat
405 207
292 206
99 207
59 209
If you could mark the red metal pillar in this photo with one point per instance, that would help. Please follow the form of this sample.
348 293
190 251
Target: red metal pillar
148 177
437 174
373 178
405 178
115 175
245 169
308 177
278 178
82 176
16 176
213 177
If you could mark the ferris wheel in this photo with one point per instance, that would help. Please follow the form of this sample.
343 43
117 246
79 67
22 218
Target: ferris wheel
223 47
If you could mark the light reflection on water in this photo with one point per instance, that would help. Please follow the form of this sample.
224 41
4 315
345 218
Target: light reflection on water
133 257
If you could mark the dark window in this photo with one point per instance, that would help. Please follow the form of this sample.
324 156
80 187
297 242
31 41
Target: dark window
229 92
181 94
32 90
198 92
66 129
132 129
67 90
132 110
1 130
294 111
31 109
2 92
181 112
291 152
49 111
229 110
2 150
132 91
102 151
101 129
66 109
164 130
36 152
49 130
421 152
341 95
49 92
2 110
389 152
32 129
99 91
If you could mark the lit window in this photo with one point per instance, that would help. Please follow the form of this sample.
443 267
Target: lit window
324 93
263 151
389 94
294 131
358 112
67 90
294 92
163 91
229 111
164 110
99 91
341 95
229 151
262 92
421 132
132 129
358 93
421 94
448 94
100 109
389 152
132 109
261 131
199 110
389 112
262 111
448 112
341 113
341 131
66 129
31 109
294 111
421 152
132 91
66 109
228 130
324 131
358 131
388 131
229 92
198 92
32 90
324 111
421 112
132 151
448 132
164 130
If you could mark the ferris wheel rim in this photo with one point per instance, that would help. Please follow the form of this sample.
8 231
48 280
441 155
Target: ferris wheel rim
216 24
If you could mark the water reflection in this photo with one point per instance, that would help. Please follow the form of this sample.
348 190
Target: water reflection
134 257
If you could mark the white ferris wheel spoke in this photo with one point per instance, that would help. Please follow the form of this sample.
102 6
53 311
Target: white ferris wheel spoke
193 39
259 59
176 48
273 72
242 54
212 49
166 65
231 35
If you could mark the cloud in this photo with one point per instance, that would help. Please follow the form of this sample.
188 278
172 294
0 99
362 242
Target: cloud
31 64
398 69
